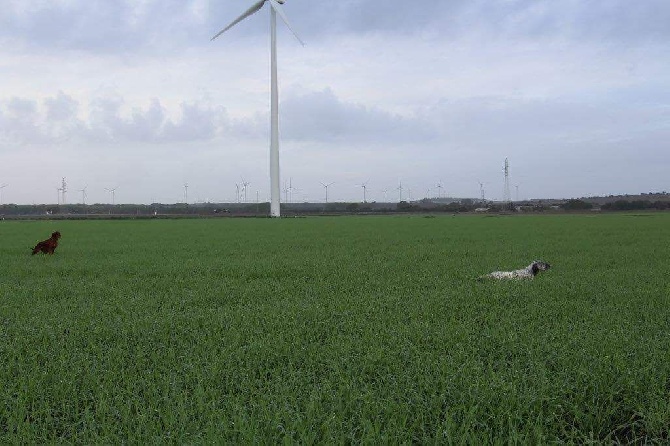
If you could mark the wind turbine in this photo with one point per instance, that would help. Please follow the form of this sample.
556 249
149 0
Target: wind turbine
112 193
83 194
439 189
285 192
365 187
185 193
58 189
275 8
288 190
245 186
291 189
400 189
326 187
1 188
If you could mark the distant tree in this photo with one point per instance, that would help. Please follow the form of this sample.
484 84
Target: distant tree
576 205
625 205
353 207
404 206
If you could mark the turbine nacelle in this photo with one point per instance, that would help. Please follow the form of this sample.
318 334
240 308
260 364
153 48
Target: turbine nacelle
276 6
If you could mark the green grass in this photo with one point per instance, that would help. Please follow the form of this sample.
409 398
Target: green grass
336 330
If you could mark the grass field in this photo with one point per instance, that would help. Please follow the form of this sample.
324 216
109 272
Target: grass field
336 330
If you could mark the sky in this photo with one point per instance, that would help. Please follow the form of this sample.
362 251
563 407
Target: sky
430 95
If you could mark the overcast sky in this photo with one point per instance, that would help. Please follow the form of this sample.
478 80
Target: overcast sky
133 95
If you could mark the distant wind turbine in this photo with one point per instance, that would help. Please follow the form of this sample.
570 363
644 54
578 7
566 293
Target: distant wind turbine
83 194
365 187
285 192
245 186
112 192
288 191
58 189
326 187
439 189
275 8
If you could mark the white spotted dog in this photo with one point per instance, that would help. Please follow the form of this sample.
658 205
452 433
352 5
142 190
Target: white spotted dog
528 272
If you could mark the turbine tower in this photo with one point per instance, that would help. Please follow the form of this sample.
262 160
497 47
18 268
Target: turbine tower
275 8
507 197
185 193
439 187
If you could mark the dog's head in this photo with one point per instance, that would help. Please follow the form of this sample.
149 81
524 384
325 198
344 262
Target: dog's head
539 265
55 235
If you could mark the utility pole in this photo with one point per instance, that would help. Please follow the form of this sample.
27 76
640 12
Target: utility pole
507 196
63 189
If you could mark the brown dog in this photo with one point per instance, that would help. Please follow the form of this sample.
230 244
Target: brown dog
47 246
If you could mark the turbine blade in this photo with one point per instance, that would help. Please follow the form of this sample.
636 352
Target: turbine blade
277 7
254 8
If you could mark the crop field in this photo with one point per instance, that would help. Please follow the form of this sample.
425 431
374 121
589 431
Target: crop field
336 330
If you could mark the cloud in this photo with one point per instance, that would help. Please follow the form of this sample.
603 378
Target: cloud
26 121
198 122
321 116
128 26
308 116
510 123
19 121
